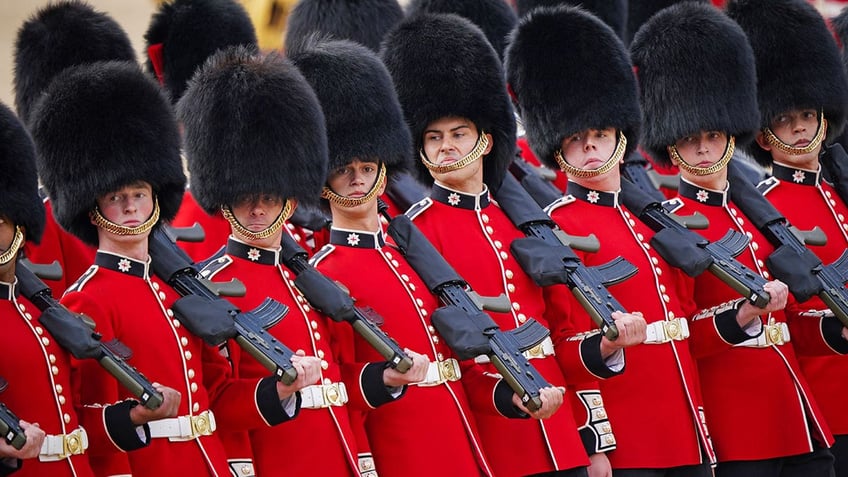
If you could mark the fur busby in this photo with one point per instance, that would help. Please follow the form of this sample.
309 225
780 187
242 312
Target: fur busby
252 125
363 115
611 12
184 33
569 72
363 21
495 17
100 127
442 65
798 62
19 201
640 11
696 73
58 36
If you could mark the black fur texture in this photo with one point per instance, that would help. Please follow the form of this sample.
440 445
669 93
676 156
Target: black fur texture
495 17
611 12
19 201
363 21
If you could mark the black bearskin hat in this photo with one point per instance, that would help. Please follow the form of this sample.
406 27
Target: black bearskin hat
19 201
640 11
798 62
364 119
495 17
363 21
58 36
611 12
98 128
696 73
442 66
569 72
183 34
252 125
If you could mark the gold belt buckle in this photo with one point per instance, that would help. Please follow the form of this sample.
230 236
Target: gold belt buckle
448 370
332 394
672 330
774 332
72 443
536 351
201 424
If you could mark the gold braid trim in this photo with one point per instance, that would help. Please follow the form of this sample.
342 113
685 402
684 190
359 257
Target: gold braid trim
347 202
287 211
775 141
704 171
116 229
616 156
476 153
16 244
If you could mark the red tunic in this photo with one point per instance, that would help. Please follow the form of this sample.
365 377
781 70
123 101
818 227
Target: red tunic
318 441
474 235
806 201
433 420
660 380
732 375
126 303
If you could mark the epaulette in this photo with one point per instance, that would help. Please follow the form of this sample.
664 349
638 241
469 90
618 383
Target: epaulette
672 205
214 264
561 202
321 254
766 185
418 207
83 279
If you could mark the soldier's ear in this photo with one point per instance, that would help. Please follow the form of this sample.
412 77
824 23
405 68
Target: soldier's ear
491 144
761 141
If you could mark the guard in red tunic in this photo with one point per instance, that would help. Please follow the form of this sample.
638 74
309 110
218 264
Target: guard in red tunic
655 407
755 364
451 86
802 95
433 418
275 164
109 156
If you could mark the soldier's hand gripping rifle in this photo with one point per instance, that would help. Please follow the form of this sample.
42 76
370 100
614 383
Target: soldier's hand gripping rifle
792 262
461 321
215 319
691 252
10 424
546 255
327 297
75 333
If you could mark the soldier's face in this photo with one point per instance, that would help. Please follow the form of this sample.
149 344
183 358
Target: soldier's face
796 128
257 213
446 141
589 149
7 233
129 206
355 179
702 149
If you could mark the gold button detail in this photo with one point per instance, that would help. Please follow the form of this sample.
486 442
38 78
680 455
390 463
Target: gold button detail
28 316
324 365
176 323
195 407
440 356
411 287
286 274
510 287
489 229
39 330
62 400
193 387
52 358
666 298
827 194
21 307
485 218
321 353
509 274
388 255
327 381
66 417
404 277
59 388
640 237
155 286
498 244
313 324
431 329
190 374
45 341
516 306
169 312
187 355
662 288
760 263
317 336
655 261
184 341
504 256
161 295
658 270
54 370
755 246
419 302
765 274
631 222
670 315
522 317
395 263
597 401
435 339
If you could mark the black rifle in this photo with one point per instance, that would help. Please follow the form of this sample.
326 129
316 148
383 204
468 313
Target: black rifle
215 319
540 188
75 333
792 262
835 164
327 297
461 321
691 252
10 424
546 255
635 168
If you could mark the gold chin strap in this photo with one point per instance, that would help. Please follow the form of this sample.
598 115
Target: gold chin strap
116 229
287 211
347 202
703 171
476 153
12 252
781 146
607 166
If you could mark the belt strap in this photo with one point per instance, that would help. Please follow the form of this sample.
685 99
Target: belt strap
319 396
184 428
775 333
541 350
659 332
439 372
63 446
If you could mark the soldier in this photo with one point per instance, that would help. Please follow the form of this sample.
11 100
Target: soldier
277 163
754 364
357 94
656 405
802 94
109 157
364 21
463 124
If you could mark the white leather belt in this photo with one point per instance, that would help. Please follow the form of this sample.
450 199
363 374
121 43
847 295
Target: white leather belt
773 334
541 350
63 446
675 329
439 372
184 428
319 396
